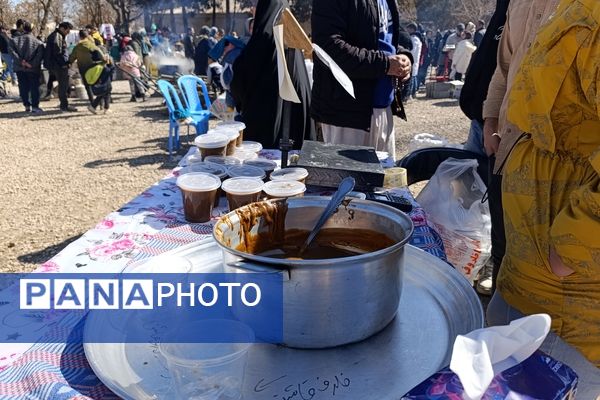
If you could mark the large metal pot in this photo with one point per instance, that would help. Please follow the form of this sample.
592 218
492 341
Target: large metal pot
327 302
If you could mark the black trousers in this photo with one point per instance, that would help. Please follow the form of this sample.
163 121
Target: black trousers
497 217
62 76
103 98
29 88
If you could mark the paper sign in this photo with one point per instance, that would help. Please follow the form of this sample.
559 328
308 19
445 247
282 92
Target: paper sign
286 87
337 72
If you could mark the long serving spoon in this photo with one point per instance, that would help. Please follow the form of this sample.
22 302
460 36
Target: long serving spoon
346 186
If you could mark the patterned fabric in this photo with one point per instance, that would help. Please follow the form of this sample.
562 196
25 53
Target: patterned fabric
149 225
551 188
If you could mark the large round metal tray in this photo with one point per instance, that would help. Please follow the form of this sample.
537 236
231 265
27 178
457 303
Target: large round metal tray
437 304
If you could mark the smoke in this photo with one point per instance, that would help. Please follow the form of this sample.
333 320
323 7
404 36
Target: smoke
184 65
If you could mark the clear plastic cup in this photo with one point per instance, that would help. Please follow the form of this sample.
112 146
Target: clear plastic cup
238 126
232 134
209 371
251 146
395 178
198 190
228 161
209 168
214 144
194 158
266 165
282 189
290 174
242 191
246 171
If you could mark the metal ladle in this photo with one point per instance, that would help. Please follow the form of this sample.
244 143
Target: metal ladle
345 187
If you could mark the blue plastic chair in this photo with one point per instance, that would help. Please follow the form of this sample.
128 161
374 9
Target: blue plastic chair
173 104
188 86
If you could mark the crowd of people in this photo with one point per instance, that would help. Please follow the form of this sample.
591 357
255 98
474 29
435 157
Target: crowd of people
441 53
96 52
26 54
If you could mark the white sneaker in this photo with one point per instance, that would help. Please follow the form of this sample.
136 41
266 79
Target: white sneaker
107 111
92 109
37 110
484 281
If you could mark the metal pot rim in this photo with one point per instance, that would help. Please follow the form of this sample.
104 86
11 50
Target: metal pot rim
329 262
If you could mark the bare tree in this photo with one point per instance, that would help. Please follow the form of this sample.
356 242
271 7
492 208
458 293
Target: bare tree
472 10
44 7
447 13
408 10
126 12
7 15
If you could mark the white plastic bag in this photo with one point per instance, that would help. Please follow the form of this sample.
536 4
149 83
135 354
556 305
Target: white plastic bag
452 201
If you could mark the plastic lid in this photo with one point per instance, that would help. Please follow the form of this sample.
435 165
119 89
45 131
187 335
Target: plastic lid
244 154
231 124
212 141
246 171
209 168
289 174
284 188
251 146
263 163
198 182
231 133
223 160
242 186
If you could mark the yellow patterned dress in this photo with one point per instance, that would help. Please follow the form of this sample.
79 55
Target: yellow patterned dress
551 187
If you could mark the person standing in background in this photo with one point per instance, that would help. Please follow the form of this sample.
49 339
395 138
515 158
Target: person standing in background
205 44
27 52
56 59
131 63
472 96
462 57
426 57
19 31
417 46
82 53
451 41
136 44
255 86
5 50
189 44
95 35
478 37
350 33
146 49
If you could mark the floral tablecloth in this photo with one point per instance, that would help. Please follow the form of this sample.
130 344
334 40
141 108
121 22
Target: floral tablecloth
150 224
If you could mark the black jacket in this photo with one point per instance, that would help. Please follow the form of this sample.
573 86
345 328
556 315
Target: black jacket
483 65
56 55
27 48
5 43
189 46
348 31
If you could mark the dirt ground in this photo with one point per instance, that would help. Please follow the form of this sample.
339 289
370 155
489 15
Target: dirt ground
62 173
